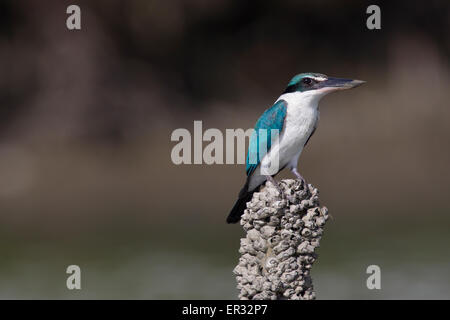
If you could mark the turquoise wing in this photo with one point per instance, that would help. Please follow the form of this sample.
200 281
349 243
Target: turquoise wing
272 118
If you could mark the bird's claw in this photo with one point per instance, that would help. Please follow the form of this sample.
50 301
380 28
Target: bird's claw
276 185
300 177
304 184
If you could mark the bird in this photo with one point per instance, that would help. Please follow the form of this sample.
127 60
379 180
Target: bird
282 132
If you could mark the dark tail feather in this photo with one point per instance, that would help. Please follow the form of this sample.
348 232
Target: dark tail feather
240 205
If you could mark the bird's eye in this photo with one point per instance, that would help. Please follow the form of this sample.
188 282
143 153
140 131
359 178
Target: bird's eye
307 81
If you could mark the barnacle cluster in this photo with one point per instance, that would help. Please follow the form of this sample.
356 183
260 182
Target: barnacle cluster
282 233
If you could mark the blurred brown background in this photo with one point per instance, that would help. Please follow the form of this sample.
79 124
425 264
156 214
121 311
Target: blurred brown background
86 116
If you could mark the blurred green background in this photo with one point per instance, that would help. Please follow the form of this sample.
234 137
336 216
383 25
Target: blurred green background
86 116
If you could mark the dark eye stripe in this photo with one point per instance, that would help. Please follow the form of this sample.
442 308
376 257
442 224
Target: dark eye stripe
291 88
301 85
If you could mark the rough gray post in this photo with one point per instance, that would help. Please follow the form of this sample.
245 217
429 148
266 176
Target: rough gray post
282 234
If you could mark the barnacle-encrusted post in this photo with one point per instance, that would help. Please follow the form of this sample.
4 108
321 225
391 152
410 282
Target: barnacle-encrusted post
282 233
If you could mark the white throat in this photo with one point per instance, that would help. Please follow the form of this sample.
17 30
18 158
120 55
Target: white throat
309 98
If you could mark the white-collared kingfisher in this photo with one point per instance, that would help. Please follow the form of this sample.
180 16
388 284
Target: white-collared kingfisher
294 116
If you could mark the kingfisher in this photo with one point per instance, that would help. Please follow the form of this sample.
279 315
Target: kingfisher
282 132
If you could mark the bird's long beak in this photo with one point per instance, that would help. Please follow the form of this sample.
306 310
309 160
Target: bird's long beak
332 84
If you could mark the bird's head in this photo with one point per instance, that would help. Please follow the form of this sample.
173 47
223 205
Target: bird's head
319 83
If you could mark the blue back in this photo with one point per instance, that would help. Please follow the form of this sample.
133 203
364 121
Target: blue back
272 118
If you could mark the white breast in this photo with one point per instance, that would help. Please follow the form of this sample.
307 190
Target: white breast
301 119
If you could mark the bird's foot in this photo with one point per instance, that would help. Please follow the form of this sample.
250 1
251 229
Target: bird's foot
305 184
300 177
276 185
